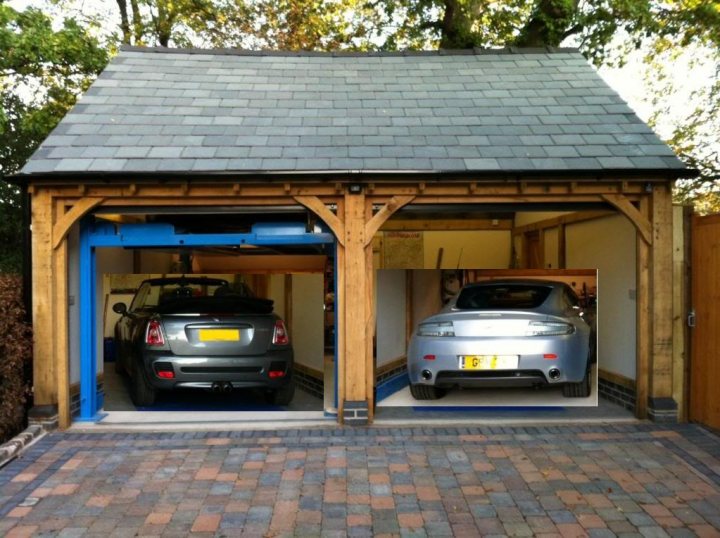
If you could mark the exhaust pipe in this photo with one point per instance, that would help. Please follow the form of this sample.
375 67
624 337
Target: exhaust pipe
216 387
227 387
426 375
554 373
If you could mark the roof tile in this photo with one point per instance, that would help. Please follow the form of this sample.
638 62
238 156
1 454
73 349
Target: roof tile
154 110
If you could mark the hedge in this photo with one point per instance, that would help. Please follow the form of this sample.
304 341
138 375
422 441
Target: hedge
15 357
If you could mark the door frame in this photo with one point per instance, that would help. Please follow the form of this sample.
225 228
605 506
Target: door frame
94 235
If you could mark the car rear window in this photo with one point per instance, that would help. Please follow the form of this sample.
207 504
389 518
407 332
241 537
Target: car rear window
502 296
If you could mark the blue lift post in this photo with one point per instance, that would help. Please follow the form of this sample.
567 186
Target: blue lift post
105 234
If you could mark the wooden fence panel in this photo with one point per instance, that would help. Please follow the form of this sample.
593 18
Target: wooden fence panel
705 365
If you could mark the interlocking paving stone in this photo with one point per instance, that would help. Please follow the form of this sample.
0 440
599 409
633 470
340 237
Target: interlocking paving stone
615 480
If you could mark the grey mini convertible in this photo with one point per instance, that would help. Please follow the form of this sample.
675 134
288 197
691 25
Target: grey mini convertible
504 334
196 332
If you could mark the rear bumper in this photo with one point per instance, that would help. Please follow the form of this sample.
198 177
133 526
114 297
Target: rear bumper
203 372
512 378
570 352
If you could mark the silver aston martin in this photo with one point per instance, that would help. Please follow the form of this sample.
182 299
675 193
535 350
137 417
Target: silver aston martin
505 333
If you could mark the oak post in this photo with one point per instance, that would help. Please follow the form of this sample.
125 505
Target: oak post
43 306
661 405
369 312
643 319
355 400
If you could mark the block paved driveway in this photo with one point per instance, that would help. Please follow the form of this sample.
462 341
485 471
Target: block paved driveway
625 480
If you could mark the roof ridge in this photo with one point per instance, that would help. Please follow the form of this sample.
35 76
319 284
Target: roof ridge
476 51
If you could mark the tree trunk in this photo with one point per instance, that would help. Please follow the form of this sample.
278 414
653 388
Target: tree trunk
124 23
137 22
163 24
549 24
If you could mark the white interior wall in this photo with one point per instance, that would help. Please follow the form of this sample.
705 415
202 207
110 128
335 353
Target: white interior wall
530 217
276 292
155 262
108 261
487 249
307 325
390 315
608 244
550 255
426 301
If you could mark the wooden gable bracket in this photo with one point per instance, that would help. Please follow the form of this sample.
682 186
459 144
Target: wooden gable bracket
386 211
641 223
314 204
65 222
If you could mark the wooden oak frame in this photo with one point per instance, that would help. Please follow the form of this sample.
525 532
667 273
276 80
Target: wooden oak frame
354 219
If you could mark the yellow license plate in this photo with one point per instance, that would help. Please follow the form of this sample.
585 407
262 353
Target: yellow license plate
219 335
489 362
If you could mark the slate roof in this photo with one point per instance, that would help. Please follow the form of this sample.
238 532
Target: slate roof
485 112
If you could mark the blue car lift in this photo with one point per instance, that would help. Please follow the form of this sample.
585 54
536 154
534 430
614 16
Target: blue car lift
96 234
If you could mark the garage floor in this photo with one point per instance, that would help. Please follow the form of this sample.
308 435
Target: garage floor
500 406
505 397
118 399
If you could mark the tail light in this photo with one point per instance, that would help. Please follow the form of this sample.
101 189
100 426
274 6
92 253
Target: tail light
549 328
280 335
164 370
154 334
277 369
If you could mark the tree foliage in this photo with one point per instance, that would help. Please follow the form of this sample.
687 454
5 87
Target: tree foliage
606 31
42 71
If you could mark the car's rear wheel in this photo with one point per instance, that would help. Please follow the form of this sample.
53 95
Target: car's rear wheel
142 392
578 390
283 395
426 392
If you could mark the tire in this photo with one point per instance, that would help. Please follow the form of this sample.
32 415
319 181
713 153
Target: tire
578 390
283 395
426 392
142 393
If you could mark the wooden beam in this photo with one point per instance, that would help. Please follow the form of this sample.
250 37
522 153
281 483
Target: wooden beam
680 312
572 218
403 225
370 362
61 330
409 319
386 211
643 337
66 220
43 285
661 384
341 318
354 299
287 298
314 204
535 272
641 223
562 246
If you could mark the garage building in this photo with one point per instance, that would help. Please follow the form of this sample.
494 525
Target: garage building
359 144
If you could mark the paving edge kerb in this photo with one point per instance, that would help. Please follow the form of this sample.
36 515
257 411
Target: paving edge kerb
15 446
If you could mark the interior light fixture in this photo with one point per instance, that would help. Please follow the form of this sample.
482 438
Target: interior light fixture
355 188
